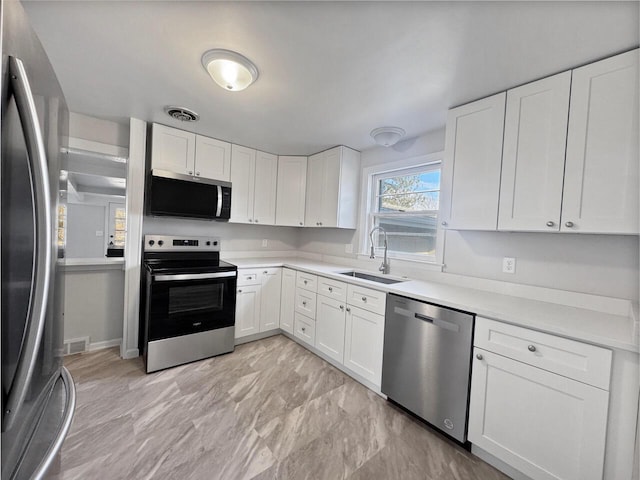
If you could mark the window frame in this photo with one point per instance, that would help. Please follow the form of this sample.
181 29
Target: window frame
371 175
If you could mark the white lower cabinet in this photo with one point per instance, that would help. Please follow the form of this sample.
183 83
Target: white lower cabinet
247 310
330 324
363 341
544 424
271 287
304 328
287 299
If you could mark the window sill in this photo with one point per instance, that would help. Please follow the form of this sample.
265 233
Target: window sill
430 263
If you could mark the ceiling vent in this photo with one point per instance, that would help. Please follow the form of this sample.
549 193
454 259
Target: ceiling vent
182 114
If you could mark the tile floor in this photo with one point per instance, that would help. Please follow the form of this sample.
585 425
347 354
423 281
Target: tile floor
270 410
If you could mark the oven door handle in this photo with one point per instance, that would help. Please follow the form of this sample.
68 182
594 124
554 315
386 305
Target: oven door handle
193 276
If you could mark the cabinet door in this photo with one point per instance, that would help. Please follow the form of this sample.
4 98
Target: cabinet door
535 132
172 149
213 159
601 175
243 173
471 170
313 204
264 200
291 191
363 341
331 160
545 425
288 299
330 324
271 280
247 310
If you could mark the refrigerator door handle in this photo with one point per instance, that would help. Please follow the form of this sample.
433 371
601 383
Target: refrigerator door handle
43 244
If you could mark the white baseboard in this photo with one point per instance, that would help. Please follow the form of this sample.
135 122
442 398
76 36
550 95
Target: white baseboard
131 353
498 464
105 344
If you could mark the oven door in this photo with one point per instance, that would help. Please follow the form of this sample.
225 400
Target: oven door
189 303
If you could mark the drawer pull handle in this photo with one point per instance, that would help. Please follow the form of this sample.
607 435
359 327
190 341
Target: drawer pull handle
532 348
364 299
330 289
479 356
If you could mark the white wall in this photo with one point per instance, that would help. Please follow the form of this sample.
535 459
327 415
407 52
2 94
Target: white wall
93 304
83 224
594 264
98 130
233 237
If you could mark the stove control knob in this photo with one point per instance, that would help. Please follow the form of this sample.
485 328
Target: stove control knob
208 243
215 243
151 242
160 242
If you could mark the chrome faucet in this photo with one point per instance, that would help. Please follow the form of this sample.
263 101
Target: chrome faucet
384 268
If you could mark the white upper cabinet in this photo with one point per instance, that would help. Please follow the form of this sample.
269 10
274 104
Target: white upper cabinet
172 149
264 199
535 131
253 179
601 175
291 191
213 159
471 171
333 181
243 175
189 154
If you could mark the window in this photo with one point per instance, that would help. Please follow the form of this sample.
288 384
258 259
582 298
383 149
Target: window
117 225
405 203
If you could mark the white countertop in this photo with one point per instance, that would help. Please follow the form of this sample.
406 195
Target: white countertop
615 331
100 263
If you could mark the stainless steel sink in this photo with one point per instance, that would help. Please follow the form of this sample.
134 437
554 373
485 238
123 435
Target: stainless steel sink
370 277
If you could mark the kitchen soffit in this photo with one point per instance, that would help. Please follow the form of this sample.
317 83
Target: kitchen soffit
329 71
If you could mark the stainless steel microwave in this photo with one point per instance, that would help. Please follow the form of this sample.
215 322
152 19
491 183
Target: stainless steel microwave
172 194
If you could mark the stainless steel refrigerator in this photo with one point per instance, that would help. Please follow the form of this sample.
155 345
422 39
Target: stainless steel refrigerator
38 396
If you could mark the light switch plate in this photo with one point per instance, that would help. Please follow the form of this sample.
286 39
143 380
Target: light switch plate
508 265
99 233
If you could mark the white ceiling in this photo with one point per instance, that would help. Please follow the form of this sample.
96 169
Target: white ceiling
329 72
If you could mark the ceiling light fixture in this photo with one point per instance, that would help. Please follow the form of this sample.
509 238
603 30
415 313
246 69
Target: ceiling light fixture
230 70
387 136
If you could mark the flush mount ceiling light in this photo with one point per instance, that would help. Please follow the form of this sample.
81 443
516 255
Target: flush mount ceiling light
230 70
387 136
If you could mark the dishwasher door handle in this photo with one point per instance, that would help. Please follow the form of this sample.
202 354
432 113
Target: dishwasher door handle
454 327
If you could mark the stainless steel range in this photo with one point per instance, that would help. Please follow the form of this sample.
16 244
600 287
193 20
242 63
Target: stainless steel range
189 301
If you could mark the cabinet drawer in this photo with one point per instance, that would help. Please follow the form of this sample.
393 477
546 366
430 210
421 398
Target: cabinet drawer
304 329
332 289
249 276
579 361
366 298
306 303
307 281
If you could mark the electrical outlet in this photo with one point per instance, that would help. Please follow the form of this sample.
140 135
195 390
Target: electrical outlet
99 233
348 248
508 265
265 243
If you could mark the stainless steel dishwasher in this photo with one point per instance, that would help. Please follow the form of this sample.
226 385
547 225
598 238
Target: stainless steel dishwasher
427 362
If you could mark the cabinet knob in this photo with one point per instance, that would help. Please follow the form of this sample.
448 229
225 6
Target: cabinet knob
320 223
444 224
256 220
304 304
265 272
532 348
330 289
479 356
568 224
304 329
364 299
198 174
251 221
305 282
341 307
348 310
190 172
317 223
239 291
300 223
550 223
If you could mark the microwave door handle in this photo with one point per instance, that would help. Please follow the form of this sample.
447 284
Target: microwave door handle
43 241
219 206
